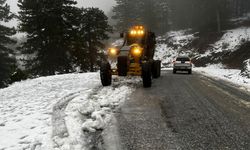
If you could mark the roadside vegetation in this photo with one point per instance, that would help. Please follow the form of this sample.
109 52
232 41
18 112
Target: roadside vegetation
7 61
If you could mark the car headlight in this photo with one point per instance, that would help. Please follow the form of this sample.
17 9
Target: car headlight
113 51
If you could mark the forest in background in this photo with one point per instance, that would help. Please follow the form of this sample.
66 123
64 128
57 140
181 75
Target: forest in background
165 15
60 38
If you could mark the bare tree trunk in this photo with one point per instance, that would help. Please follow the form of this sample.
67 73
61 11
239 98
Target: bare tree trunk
91 57
218 21
90 48
236 9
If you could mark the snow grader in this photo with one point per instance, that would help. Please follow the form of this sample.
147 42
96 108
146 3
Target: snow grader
133 58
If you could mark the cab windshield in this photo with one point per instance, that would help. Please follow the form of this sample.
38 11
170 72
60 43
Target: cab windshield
133 40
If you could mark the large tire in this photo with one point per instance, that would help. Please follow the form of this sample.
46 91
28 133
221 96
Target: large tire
156 69
122 65
190 71
105 74
146 74
174 71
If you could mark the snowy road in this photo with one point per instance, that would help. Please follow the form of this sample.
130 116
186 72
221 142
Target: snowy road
74 112
185 112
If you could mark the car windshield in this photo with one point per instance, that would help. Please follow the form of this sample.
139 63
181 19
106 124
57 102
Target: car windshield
182 59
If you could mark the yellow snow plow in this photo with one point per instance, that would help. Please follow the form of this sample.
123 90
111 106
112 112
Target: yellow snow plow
133 58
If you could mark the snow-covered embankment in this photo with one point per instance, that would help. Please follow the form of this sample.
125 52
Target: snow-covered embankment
58 112
176 43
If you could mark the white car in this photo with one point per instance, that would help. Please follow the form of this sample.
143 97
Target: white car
182 63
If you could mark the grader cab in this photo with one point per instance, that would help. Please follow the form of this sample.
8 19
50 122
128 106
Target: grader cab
133 58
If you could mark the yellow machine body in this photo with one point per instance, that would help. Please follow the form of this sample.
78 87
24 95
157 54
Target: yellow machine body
134 58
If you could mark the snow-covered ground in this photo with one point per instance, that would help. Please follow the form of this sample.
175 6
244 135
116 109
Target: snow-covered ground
58 112
218 71
171 45
230 41
246 68
63 112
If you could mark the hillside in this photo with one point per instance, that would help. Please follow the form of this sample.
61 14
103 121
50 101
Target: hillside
230 49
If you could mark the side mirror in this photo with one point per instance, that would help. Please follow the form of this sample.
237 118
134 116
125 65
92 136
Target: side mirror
121 35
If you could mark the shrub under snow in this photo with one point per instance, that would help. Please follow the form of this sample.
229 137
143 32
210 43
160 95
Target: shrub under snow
246 70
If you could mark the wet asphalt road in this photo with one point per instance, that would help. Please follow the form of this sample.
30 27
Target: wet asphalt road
185 112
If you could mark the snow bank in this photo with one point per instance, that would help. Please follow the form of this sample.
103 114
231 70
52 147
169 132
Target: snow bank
58 112
26 109
218 71
91 113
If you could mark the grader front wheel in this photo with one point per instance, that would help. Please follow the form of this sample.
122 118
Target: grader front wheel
105 74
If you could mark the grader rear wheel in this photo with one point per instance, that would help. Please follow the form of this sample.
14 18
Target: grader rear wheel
156 69
146 74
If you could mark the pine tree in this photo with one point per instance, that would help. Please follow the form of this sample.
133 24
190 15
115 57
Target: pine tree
240 7
78 50
48 25
217 19
93 29
127 13
162 11
6 61
154 15
150 13
204 16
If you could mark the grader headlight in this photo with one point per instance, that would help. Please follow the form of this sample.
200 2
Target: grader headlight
141 32
137 31
133 32
112 51
136 51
